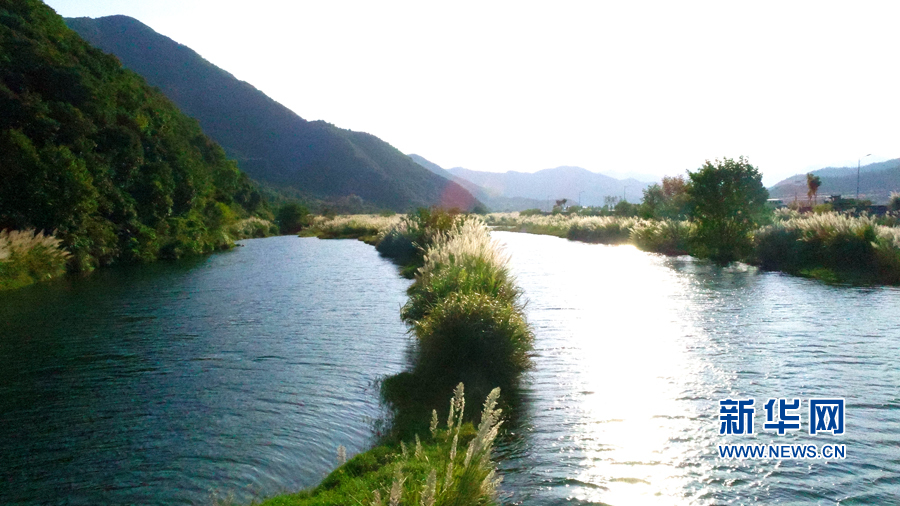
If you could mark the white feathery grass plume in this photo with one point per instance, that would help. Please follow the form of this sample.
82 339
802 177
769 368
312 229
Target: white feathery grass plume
450 417
404 451
341 455
20 242
376 499
491 483
370 221
469 452
472 240
396 488
419 454
428 495
459 403
434 422
448 479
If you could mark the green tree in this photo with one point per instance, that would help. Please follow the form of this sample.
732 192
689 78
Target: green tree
292 217
668 200
727 200
813 183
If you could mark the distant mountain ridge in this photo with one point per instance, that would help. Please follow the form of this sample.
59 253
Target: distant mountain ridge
494 202
271 142
876 182
557 183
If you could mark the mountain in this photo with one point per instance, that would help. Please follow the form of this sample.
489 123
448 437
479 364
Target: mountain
876 182
271 142
553 184
89 150
494 202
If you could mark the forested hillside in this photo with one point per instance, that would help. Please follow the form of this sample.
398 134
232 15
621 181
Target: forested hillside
88 149
272 143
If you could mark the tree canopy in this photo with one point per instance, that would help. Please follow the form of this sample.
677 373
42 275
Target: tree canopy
727 200
87 148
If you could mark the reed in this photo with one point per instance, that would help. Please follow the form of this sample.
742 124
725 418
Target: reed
252 227
850 247
27 257
669 237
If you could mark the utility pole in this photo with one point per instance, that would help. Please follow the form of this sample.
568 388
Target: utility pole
579 197
857 178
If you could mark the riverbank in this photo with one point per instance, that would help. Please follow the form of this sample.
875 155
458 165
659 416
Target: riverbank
465 312
29 256
830 246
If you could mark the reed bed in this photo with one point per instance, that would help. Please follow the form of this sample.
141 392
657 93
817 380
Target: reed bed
252 227
669 237
465 311
357 226
27 257
831 245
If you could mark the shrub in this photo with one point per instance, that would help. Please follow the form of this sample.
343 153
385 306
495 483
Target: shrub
472 338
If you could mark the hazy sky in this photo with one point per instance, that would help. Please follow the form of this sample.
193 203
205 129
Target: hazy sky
610 86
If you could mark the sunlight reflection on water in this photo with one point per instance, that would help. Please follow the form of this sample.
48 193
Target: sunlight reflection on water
633 352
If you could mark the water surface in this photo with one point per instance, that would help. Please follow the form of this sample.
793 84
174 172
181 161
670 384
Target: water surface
634 350
239 373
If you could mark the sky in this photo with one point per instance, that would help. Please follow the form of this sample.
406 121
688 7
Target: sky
646 87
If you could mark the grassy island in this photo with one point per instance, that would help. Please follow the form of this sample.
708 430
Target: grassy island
465 312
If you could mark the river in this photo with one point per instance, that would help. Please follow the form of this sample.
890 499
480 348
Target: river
241 372
237 374
634 350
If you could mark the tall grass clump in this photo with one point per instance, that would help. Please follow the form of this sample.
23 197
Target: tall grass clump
601 229
463 261
669 237
836 245
366 227
465 312
253 227
447 465
27 257
406 241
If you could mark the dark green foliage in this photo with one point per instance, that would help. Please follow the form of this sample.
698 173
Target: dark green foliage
272 143
292 217
626 209
88 149
475 338
727 200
